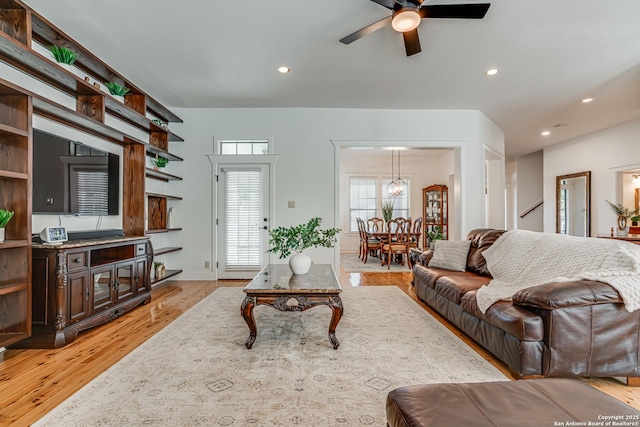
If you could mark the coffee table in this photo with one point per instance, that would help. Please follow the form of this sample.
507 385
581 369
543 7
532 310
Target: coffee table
279 288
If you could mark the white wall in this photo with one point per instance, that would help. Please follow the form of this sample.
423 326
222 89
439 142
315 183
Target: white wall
308 163
530 191
606 154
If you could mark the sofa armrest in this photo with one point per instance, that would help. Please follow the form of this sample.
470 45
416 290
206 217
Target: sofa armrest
557 295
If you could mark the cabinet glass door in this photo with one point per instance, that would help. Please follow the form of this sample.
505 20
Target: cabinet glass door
102 282
124 279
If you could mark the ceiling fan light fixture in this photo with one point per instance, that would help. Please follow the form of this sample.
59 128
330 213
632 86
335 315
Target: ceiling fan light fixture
406 19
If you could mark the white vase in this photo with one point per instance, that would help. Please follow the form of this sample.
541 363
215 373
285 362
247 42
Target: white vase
1 234
300 263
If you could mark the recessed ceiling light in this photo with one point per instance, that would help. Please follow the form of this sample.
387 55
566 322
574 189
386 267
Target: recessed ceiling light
284 70
545 133
491 72
586 100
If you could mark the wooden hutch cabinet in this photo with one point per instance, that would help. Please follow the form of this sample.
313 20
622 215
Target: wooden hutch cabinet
435 205
82 284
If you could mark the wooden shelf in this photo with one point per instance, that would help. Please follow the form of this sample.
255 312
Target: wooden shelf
10 130
13 175
164 196
162 230
8 244
8 288
161 175
51 73
168 273
47 34
166 250
152 151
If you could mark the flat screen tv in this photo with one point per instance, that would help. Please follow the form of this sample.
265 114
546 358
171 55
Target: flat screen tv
72 178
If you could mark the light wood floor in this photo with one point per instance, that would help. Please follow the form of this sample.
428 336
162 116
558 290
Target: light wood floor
33 382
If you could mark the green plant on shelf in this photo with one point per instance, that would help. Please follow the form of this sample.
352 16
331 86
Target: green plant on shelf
63 55
116 89
5 217
160 161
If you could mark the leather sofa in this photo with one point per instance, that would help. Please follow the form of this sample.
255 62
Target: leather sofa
564 329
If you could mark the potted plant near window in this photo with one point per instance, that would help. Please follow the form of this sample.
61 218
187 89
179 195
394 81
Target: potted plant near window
5 217
285 240
117 90
387 210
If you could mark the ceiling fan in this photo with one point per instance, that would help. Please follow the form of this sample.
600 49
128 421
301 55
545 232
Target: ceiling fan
407 15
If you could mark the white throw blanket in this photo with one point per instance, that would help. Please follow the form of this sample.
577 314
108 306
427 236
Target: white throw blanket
520 259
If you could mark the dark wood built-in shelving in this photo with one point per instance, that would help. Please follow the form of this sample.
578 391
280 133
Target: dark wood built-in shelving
161 175
167 274
166 250
19 27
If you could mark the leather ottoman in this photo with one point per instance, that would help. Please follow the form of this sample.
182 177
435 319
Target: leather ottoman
536 403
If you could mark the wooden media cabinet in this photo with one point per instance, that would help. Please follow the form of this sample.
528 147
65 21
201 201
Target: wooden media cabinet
85 283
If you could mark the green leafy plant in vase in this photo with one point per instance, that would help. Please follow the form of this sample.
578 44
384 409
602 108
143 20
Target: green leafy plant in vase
63 55
5 217
160 162
117 90
287 240
387 210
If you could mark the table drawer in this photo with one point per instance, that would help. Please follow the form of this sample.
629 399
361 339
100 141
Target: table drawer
77 261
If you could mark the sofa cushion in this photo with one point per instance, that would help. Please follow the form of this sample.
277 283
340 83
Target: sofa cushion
450 255
428 276
481 240
514 320
454 287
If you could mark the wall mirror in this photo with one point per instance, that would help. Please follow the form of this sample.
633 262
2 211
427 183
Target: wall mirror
573 200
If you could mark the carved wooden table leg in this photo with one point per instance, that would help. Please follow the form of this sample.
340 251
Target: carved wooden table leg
247 313
336 307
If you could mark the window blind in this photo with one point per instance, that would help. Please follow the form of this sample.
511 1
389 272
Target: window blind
90 191
243 214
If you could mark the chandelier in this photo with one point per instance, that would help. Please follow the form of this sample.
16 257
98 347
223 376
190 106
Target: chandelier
396 186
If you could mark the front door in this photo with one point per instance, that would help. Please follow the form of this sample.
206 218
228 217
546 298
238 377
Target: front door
242 221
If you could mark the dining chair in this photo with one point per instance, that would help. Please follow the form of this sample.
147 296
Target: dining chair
397 242
416 229
375 225
362 236
372 243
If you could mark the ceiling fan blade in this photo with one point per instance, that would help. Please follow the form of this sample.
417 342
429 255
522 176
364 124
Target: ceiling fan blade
389 4
459 11
411 42
366 30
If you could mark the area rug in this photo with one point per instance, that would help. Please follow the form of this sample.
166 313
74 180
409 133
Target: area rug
351 263
197 371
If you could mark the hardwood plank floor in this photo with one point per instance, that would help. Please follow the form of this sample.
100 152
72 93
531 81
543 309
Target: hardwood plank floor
33 382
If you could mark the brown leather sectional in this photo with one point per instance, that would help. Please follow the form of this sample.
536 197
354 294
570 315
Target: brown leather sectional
576 328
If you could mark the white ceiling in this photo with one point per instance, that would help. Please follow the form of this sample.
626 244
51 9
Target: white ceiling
551 54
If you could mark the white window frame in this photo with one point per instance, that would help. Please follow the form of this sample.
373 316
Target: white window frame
381 195
217 141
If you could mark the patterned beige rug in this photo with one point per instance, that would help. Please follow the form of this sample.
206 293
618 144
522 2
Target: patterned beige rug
351 263
197 371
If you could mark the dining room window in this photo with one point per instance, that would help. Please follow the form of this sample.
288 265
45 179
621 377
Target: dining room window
363 200
367 195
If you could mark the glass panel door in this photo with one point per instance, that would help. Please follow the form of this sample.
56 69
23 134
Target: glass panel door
102 283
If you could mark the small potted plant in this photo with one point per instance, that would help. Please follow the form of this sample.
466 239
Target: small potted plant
623 214
65 57
5 217
435 234
159 269
285 240
117 90
160 162
387 211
